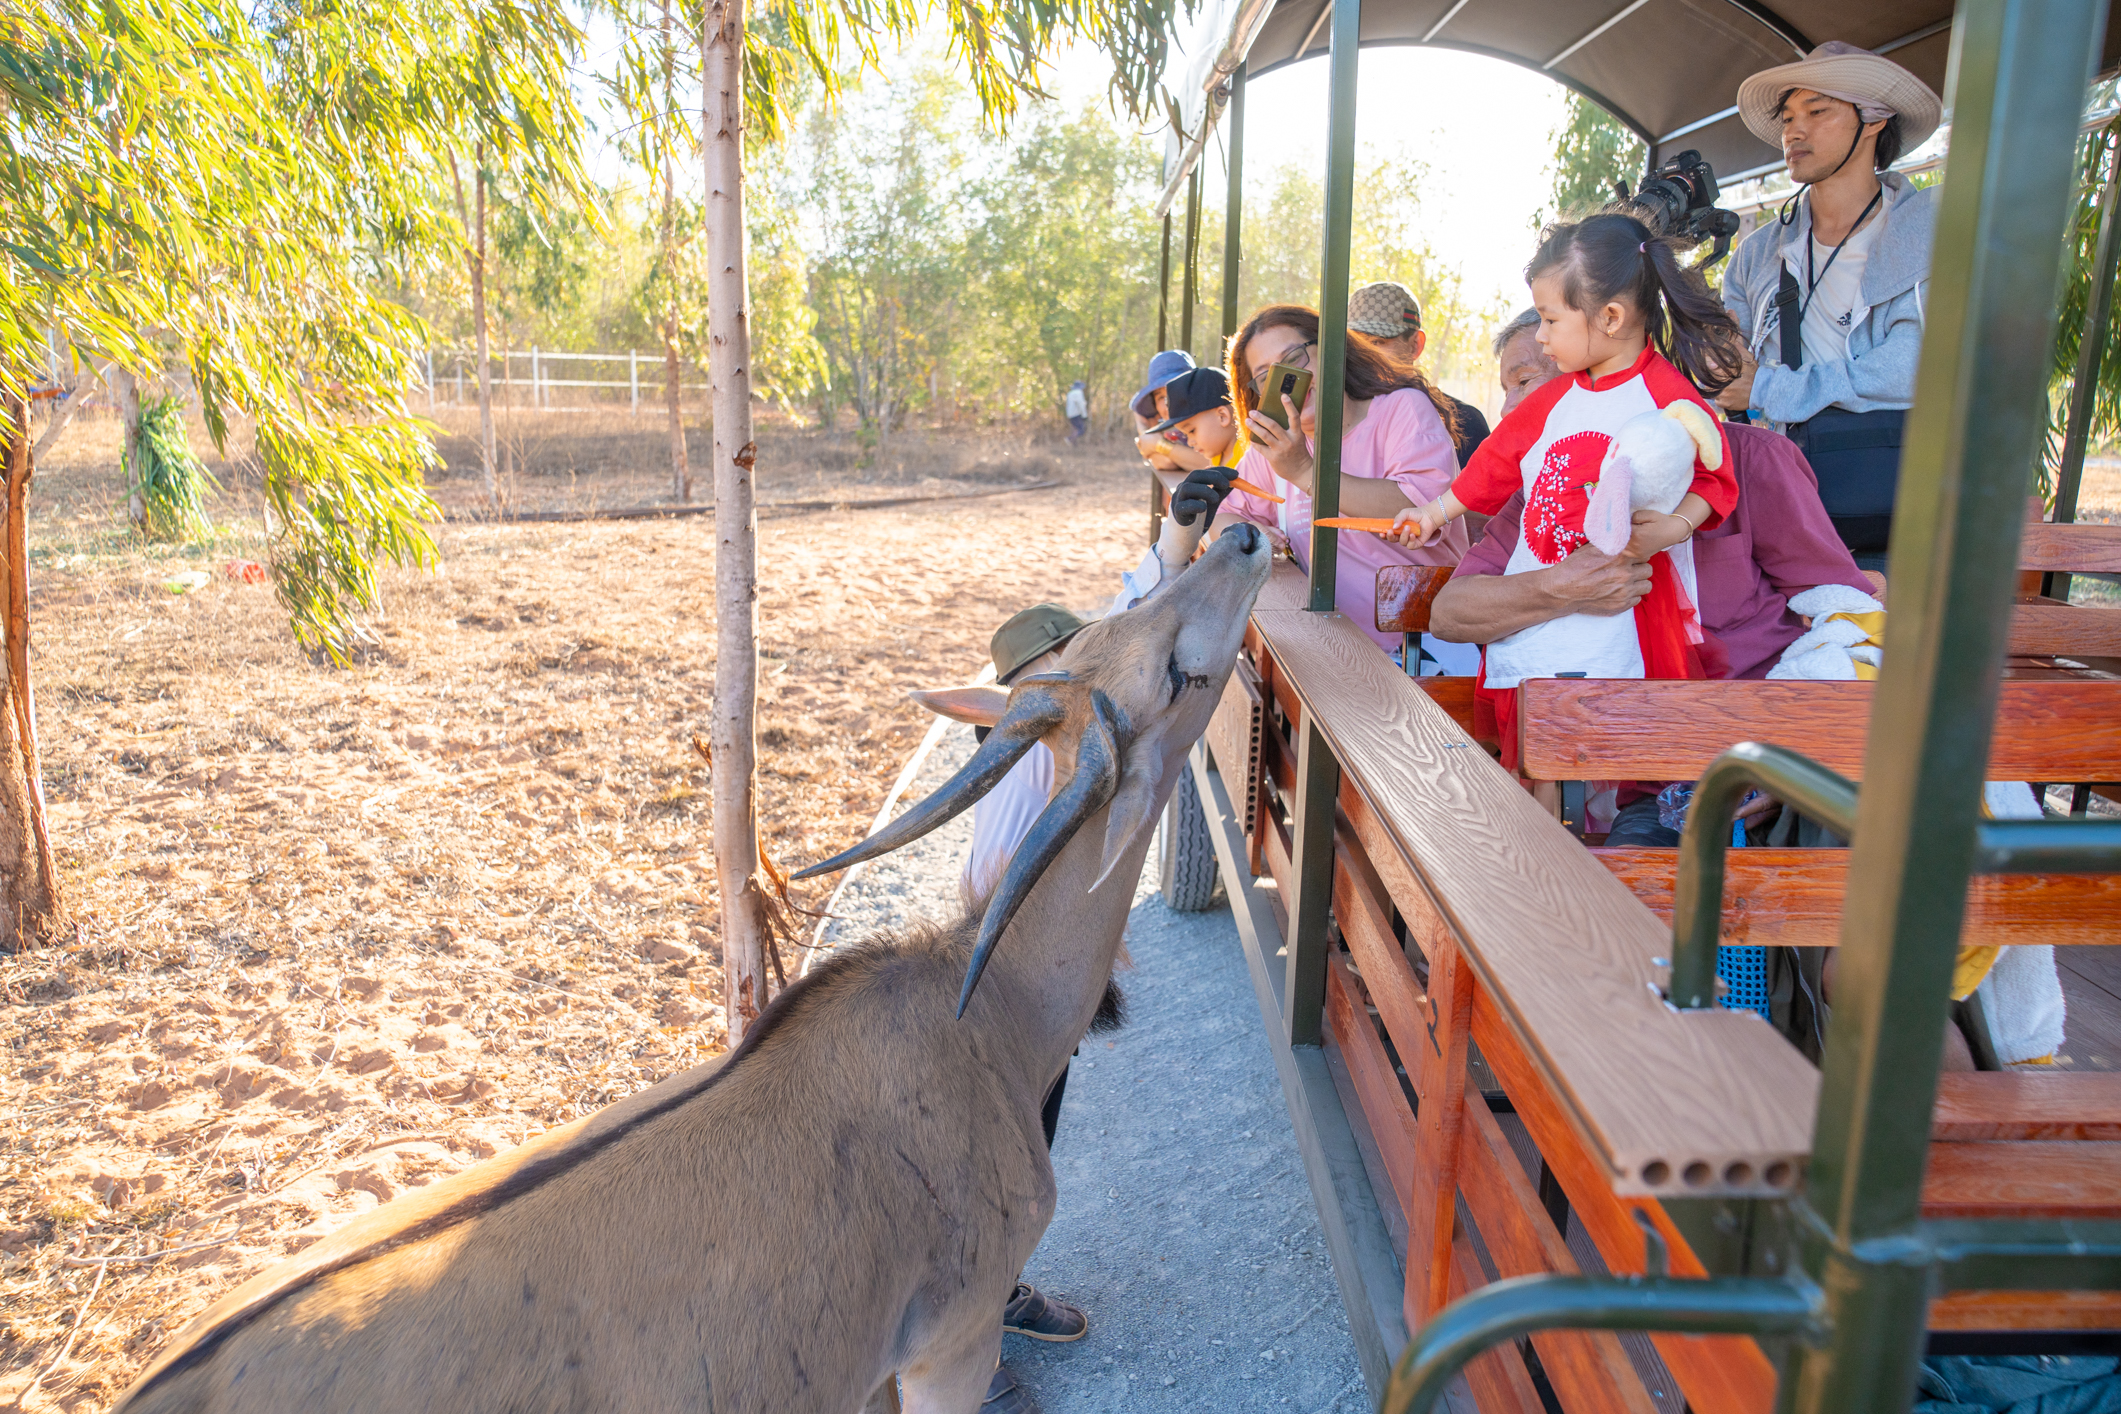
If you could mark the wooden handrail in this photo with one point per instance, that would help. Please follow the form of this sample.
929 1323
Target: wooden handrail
1675 1105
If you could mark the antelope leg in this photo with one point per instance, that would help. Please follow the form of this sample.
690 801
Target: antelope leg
950 1376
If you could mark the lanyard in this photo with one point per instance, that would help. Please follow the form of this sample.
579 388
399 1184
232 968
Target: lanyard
1811 281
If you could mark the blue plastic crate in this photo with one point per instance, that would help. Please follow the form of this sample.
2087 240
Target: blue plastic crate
1744 974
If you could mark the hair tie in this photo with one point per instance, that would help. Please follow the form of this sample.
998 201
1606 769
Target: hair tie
1643 248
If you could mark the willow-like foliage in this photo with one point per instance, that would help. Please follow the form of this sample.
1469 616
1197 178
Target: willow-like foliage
230 184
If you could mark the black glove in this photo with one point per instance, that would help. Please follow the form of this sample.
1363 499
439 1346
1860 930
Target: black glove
1200 494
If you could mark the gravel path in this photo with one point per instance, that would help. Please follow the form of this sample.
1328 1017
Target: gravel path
1185 1227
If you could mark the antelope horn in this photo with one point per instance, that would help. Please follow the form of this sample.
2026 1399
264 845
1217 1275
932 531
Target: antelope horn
1035 708
1088 791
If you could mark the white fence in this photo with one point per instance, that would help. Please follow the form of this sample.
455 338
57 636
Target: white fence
460 368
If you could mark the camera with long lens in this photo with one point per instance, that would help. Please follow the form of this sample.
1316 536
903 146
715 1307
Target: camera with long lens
1679 200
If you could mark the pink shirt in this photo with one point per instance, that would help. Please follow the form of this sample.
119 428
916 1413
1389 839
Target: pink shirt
1404 440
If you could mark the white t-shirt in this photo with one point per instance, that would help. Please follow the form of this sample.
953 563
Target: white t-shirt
1078 405
1833 305
1003 816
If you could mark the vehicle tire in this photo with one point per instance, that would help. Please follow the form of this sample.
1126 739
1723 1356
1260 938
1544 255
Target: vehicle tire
1186 854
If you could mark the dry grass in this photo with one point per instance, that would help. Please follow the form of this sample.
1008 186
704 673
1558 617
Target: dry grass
340 932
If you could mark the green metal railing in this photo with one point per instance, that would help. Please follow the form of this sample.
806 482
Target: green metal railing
1865 1265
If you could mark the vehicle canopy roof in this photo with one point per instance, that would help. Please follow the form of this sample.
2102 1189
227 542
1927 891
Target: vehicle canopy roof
1669 69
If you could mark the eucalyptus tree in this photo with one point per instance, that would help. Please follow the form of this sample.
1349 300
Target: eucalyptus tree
1003 46
191 179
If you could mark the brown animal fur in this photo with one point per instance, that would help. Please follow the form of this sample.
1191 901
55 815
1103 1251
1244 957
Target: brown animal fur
499 1254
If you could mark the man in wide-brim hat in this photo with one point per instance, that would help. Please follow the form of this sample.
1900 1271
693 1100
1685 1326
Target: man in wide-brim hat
1830 295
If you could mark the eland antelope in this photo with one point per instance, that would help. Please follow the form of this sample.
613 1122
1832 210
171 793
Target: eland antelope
848 1194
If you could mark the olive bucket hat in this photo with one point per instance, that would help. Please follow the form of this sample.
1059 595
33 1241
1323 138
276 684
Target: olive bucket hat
1037 630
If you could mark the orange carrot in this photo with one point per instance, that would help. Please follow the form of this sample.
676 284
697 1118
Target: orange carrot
1238 483
1376 525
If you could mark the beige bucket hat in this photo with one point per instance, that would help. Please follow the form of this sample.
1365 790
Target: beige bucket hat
1875 84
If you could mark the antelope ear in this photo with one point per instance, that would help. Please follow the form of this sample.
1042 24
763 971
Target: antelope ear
981 705
1133 810
1707 440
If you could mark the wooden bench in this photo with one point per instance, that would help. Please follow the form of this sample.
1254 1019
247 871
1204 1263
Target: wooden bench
1466 1027
2046 729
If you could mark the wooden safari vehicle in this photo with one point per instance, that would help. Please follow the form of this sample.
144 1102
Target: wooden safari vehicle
1542 1155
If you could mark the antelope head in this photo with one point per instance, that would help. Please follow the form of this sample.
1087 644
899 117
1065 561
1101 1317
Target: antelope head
1132 694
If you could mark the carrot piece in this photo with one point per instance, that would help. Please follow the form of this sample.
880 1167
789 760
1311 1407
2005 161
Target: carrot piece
1376 525
1238 483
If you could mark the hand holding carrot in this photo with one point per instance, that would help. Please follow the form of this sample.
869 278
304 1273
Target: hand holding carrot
1418 525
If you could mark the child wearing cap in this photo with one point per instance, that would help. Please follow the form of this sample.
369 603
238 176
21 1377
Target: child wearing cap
1199 410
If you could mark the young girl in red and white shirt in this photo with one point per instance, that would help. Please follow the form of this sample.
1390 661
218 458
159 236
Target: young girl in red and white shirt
1634 330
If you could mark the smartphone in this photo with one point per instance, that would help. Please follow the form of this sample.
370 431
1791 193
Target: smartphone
1283 381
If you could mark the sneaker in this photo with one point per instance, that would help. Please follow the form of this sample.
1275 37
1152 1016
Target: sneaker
1031 1312
1005 1396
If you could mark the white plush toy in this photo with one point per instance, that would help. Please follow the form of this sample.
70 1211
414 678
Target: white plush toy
1834 647
1648 466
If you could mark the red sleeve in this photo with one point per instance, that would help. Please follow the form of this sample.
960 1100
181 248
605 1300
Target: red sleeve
1719 488
1496 472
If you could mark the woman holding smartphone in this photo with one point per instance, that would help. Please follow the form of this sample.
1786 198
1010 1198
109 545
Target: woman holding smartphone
1395 452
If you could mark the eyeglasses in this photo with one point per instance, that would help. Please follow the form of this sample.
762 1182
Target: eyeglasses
1298 357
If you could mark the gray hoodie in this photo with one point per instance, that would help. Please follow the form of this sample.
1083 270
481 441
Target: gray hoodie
1885 336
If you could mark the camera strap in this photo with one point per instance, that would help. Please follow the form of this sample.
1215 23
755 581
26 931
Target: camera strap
1793 305
1789 303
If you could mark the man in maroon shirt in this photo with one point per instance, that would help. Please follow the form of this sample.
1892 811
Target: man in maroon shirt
1776 543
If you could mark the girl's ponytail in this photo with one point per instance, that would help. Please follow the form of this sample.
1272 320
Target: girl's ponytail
1704 340
1613 256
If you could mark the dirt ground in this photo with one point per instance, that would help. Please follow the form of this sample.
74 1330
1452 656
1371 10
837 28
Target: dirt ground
340 932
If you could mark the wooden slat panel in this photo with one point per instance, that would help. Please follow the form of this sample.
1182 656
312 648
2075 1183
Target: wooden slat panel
1274 759
1424 923
2070 629
1577 729
1233 740
1455 696
1561 945
1497 1377
2023 1180
1792 898
1404 594
2024 1105
1386 973
1588 1369
1719 1374
1384 1104
2027 1311
2049 546
1440 1128
1274 850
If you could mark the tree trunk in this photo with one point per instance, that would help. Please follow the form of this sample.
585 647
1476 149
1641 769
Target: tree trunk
673 385
736 835
478 320
125 390
30 911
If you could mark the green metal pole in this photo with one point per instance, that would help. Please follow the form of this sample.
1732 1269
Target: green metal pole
2020 68
2091 349
1163 291
1333 297
1697 895
1189 279
1234 204
1311 816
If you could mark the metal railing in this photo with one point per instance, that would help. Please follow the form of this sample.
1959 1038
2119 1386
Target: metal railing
460 367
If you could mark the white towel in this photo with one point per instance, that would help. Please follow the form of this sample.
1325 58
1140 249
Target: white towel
2022 995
